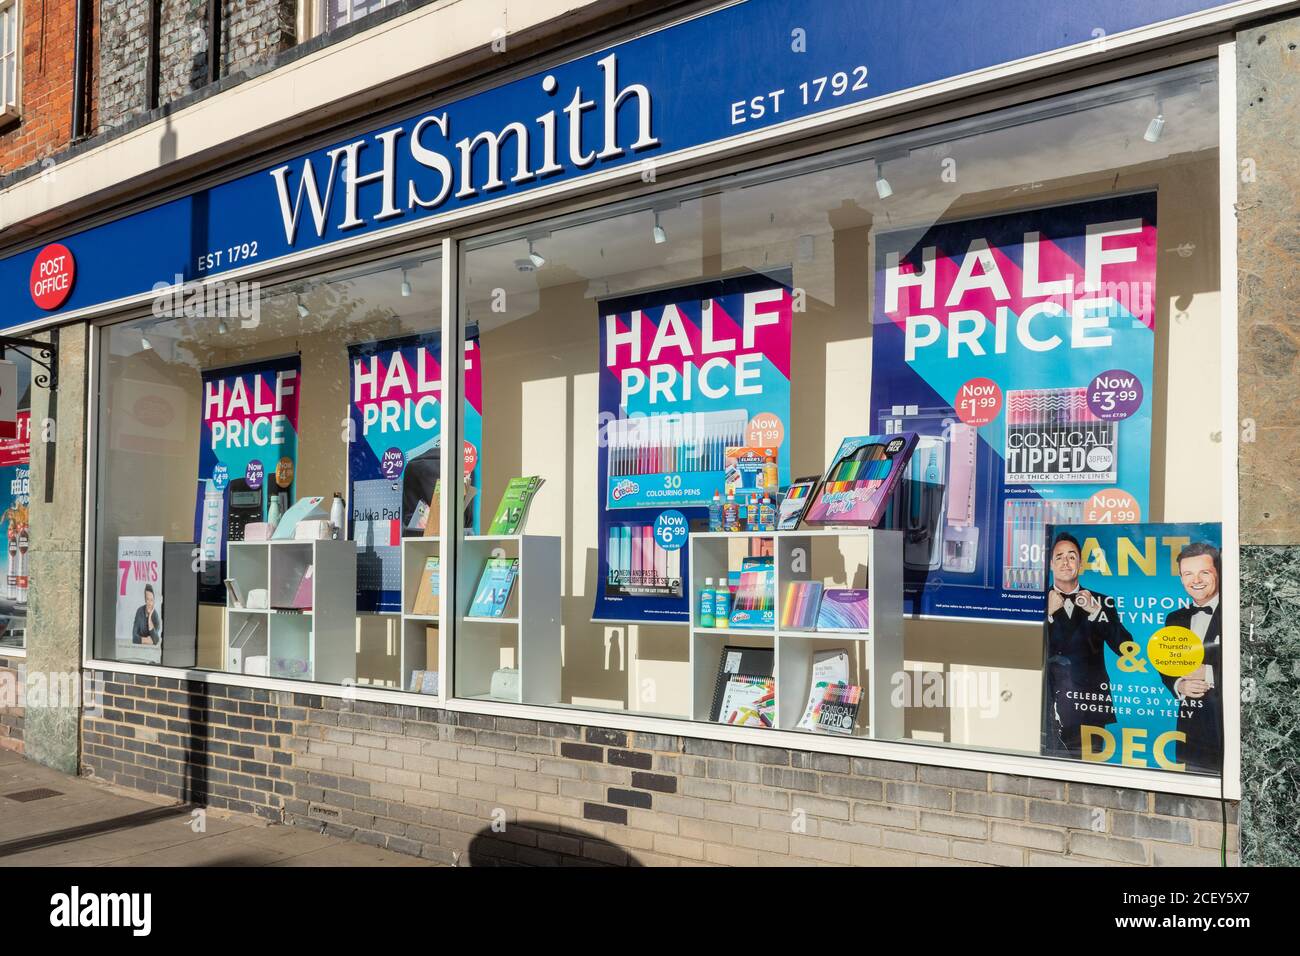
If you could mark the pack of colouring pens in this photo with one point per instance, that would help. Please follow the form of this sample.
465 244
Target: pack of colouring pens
860 480
1052 435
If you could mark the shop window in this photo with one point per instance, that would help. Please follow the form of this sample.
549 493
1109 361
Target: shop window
959 292
15 503
262 454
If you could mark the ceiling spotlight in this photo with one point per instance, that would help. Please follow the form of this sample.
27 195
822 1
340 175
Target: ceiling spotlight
222 328
537 258
145 343
660 236
883 189
303 311
406 286
1155 128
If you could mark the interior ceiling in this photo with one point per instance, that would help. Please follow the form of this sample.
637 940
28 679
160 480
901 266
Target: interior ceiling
754 227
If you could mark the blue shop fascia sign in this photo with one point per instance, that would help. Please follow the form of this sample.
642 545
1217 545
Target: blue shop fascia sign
718 76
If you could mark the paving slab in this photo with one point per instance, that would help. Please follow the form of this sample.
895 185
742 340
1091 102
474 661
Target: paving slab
89 823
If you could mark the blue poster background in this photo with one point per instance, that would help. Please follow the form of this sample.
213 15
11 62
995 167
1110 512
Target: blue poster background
995 570
226 460
636 501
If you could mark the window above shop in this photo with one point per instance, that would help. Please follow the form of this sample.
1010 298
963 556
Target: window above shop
10 63
323 16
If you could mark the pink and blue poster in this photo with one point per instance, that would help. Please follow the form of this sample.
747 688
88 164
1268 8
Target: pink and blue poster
1020 348
394 456
685 374
248 457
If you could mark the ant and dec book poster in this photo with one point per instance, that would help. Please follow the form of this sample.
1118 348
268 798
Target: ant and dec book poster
685 374
1133 646
1020 348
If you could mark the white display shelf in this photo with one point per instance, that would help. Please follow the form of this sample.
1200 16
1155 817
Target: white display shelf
867 558
311 646
415 647
527 635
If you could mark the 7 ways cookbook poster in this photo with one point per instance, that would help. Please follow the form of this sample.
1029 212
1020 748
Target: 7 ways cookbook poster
1020 348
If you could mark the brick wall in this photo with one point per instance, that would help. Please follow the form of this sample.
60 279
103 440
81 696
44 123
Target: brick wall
45 126
11 717
252 32
465 788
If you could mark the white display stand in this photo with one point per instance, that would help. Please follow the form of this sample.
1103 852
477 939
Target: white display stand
413 652
875 654
529 631
316 643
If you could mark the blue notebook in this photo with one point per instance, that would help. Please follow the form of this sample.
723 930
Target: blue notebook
494 587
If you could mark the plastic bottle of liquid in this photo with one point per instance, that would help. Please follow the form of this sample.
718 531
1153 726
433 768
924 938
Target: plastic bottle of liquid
751 514
705 617
722 605
731 513
769 473
767 514
715 512
337 515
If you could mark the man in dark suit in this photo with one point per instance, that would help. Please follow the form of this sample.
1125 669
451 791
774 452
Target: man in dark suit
1200 705
147 627
1080 625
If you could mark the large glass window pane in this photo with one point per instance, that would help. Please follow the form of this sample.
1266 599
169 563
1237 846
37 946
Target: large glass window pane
627 352
313 407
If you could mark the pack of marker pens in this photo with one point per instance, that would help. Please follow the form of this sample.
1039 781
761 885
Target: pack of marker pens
860 480
1052 435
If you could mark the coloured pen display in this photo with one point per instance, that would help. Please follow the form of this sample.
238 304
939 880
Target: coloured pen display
658 446
865 468
1025 557
1052 435
638 566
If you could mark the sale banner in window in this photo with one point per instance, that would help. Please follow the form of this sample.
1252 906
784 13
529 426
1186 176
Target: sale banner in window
248 458
1020 347
394 453
694 381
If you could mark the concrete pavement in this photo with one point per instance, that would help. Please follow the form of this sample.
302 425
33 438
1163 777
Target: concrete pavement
88 823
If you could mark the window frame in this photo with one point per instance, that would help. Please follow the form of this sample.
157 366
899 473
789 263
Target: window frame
13 112
710 162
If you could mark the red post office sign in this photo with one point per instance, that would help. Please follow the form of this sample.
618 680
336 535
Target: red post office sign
53 273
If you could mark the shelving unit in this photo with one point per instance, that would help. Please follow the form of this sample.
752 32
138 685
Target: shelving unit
420 632
315 641
850 557
527 635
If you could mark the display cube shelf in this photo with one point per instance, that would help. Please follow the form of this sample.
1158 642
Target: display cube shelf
316 641
527 635
852 558
421 639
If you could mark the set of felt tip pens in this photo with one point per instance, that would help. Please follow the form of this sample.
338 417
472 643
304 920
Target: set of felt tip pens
637 565
694 442
1025 557
864 468
669 449
1053 435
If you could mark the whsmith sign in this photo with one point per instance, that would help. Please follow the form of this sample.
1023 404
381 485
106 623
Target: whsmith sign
742 68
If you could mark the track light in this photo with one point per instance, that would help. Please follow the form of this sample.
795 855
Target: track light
406 286
883 189
303 311
145 343
537 258
222 328
660 236
1155 128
